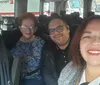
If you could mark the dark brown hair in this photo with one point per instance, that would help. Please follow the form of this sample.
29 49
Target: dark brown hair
75 43
27 16
59 18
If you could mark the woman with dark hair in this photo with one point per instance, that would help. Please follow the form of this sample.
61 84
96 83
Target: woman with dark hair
85 51
29 48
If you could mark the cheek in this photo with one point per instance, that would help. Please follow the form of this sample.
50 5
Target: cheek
83 48
84 44
22 31
52 38
32 31
66 33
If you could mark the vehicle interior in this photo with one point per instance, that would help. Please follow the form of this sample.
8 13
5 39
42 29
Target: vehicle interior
74 10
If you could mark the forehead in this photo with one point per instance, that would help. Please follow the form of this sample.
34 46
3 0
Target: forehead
93 25
27 21
55 22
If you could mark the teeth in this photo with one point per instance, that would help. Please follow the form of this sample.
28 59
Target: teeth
94 51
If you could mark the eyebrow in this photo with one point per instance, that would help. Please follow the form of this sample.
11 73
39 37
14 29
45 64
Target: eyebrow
56 27
86 32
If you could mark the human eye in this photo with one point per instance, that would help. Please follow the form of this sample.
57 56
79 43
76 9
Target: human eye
60 28
24 27
51 31
31 27
86 37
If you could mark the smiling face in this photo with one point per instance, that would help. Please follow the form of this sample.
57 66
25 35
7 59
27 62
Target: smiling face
90 43
27 28
60 33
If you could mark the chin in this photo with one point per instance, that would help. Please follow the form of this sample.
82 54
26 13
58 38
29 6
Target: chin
59 44
94 63
28 37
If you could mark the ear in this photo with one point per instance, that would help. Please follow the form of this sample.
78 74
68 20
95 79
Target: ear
35 29
19 27
68 31
68 28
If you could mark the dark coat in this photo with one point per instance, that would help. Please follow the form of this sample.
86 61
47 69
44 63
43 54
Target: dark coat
49 66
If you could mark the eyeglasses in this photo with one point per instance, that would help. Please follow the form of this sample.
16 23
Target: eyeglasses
30 27
57 29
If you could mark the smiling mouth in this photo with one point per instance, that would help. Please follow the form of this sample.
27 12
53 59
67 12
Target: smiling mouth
58 37
94 52
28 33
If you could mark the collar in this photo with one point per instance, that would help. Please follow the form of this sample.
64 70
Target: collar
62 49
94 82
82 78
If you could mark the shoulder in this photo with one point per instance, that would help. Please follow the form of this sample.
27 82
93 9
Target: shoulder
39 40
48 52
67 69
17 49
67 74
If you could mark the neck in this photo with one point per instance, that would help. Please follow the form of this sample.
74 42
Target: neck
92 73
62 47
23 39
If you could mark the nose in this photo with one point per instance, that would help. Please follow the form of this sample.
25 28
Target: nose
96 40
56 32
28 29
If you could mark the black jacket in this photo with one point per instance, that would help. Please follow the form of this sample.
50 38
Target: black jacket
53 62
49 68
